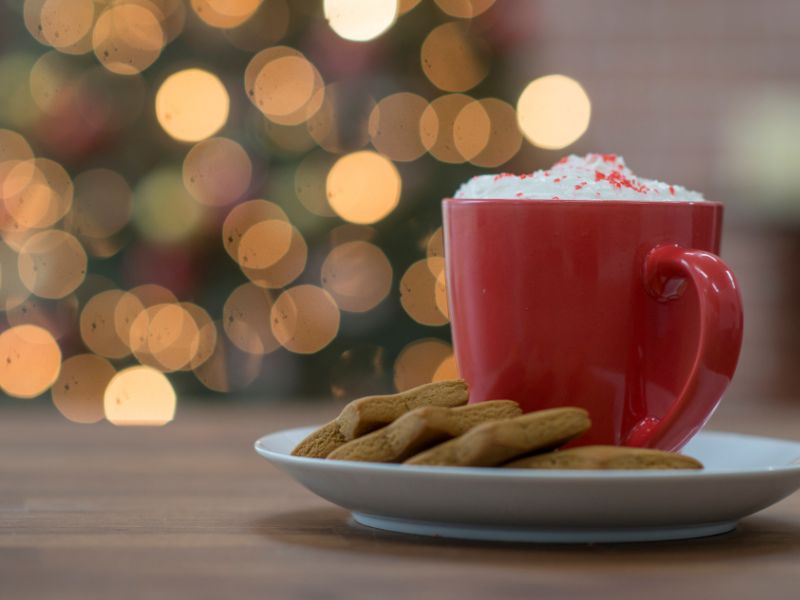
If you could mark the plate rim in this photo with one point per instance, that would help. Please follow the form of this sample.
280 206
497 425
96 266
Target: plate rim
528 474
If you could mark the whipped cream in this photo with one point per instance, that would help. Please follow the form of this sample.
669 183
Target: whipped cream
590 177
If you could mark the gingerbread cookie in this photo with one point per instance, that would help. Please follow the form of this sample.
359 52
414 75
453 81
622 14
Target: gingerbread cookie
422 428
373 412
498 442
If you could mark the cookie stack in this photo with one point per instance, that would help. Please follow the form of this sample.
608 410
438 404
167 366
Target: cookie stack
433 425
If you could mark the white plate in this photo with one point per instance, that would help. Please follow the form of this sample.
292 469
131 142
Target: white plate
743 474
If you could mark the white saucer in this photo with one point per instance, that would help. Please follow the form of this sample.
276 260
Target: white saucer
743 474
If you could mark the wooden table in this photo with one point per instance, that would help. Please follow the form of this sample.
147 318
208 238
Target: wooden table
190 511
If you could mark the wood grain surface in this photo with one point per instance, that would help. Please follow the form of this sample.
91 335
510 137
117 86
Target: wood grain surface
190 511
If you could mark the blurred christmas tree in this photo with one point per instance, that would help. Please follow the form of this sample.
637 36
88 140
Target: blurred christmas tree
244 194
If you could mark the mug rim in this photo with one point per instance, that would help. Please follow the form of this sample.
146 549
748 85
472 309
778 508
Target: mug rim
567 201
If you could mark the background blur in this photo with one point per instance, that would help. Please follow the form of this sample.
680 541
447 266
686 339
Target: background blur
240 198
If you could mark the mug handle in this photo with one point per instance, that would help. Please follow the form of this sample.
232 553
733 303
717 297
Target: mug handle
667 270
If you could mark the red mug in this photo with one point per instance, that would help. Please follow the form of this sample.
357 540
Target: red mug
620 307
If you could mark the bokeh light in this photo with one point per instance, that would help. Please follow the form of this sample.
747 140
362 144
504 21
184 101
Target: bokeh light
286 269
78 392
139 395
37 193
363 187
150 294
471 130
453 59
437 127
418 292
447 369
128 38
305 319
309 182
105 322
465 9
284 85
264 244
164 210
419 361
182 115
52 263
64 23
504 137
394 126
217 171
206 335
242 217
246 319
358 275
360 20
553 111
404 6
434 246
164 336
225 14
30 360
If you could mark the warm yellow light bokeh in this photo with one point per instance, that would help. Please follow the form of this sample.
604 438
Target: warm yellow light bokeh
242 217
453 59
78 391
363 187
418 292
217 171
206 338
309 182
553 111
437 127
128 38
394 126
465 9
264 244
66 22
505 138
139 395
105 322
286 269
192 105
36 193
225 14
305 319
419 362
284 85
434 246
471 130
358 275
404 6
360 20
52 263
246 319
447 369
30 360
